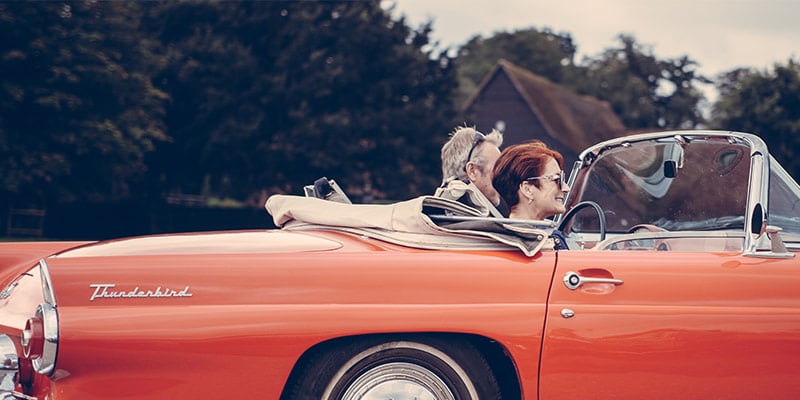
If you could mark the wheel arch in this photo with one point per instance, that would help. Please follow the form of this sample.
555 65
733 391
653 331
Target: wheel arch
495 354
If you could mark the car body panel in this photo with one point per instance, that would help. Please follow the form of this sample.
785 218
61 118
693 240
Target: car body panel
16 257
231 242
359 291
716 325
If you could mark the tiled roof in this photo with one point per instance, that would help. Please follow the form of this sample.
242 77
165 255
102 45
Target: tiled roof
575 120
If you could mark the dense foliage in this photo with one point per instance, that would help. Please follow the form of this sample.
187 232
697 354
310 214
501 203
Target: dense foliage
78 111
272 95
108 101
103 100
544 53
766 103
644 91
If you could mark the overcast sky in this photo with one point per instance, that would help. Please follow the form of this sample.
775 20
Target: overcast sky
718 34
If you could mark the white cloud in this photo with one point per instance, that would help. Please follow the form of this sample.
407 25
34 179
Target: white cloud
719 34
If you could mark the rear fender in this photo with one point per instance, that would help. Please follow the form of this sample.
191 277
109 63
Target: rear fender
18 257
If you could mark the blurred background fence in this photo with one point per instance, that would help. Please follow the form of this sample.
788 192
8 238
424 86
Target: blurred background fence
112 220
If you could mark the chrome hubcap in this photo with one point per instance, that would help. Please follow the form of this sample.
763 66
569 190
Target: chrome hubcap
398 381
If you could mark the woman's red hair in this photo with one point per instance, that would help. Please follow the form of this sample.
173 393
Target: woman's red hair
518 162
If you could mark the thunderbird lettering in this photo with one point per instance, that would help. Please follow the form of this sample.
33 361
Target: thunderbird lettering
102 291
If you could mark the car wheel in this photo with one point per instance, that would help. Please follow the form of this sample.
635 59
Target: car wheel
398 370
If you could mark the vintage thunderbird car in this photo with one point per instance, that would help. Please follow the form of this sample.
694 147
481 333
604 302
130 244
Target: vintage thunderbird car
681 281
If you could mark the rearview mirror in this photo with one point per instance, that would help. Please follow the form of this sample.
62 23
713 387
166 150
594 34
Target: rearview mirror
670 169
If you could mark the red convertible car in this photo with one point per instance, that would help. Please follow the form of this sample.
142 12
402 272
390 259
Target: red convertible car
681 281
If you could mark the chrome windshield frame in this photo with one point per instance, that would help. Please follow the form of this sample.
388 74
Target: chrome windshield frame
757 240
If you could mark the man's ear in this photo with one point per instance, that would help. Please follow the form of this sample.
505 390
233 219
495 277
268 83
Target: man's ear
472 170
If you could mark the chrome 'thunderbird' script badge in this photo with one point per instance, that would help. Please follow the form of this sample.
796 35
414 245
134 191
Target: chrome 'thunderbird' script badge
106 291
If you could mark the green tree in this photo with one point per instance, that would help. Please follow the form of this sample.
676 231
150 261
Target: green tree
77 109
643 90
276 94
766 103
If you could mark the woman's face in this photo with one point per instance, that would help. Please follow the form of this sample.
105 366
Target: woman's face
548 198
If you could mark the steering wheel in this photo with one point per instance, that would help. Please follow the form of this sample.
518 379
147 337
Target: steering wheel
659 245
639 228
580 206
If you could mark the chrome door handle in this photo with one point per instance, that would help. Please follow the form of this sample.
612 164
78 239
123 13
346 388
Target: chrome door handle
573 280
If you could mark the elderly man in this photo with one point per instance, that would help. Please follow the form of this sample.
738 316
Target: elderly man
468 159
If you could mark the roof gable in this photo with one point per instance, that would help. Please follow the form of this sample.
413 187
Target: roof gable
575 120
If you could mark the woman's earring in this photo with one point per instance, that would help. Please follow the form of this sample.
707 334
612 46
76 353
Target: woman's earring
530 200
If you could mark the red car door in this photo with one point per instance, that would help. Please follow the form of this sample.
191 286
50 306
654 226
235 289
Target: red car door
671 325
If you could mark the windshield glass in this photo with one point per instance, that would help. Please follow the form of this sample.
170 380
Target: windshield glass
784 199
699 184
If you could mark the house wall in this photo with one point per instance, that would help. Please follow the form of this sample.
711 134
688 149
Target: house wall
500 101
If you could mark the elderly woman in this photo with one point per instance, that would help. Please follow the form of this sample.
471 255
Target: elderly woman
530 178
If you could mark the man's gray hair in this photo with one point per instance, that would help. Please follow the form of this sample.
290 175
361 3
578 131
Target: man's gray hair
457 149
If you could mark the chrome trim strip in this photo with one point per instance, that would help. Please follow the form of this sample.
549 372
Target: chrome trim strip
46 363
605 244
592 152
47 284
755 203
47 312
8 290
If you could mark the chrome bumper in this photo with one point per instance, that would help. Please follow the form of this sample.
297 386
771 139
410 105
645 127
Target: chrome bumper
9 368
